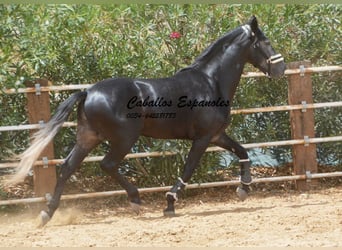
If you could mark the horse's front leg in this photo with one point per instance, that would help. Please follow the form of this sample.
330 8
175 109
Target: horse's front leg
197 150
245 174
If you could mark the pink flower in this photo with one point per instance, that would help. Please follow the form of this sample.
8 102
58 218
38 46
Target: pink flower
175 35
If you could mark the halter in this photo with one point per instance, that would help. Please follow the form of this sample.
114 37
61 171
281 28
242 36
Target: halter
270 60
273 60
247 29
277 58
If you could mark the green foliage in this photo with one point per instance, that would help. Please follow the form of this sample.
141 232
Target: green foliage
70 44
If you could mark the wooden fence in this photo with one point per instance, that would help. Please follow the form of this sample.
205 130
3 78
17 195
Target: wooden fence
301 121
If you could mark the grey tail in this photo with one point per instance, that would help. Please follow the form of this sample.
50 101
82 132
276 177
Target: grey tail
43 137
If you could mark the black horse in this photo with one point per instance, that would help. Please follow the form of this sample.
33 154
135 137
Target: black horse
193 104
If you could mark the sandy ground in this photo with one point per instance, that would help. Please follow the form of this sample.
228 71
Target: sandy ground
278 219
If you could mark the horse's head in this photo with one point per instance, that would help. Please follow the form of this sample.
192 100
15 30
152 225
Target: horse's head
261 54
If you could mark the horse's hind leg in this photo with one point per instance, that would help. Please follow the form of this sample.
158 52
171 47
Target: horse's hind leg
110 164
86 141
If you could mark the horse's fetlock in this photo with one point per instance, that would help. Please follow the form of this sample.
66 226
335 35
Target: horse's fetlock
171 196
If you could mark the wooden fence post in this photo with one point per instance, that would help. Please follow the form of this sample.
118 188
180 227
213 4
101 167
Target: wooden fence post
302 124
38 108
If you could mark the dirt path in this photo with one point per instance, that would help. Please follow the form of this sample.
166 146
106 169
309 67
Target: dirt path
281 219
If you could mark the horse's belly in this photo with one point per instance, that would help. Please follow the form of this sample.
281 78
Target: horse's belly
166 129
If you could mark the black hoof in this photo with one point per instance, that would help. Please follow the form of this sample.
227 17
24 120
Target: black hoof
169 213
241 193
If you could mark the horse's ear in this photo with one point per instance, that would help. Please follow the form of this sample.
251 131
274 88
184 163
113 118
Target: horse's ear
253 22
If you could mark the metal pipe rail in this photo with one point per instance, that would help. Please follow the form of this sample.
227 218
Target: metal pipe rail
245 75
234 112
166 188
168 153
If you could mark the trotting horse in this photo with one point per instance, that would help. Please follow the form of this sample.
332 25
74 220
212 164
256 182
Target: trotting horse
193 104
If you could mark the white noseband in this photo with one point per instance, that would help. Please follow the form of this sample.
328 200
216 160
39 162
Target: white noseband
275 59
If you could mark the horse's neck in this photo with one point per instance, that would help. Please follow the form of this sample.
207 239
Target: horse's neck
229 75
226 71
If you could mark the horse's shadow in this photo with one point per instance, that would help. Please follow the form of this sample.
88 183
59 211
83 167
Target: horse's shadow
145 217
230 211
208 213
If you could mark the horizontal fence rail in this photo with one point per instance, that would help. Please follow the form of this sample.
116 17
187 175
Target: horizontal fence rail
304 141
233 111
31 126
245 75
307 177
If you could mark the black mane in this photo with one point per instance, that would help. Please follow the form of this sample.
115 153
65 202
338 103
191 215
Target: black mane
216 47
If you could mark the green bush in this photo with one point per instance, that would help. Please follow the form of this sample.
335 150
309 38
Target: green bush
75 44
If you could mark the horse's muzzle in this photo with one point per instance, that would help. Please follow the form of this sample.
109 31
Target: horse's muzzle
276 66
